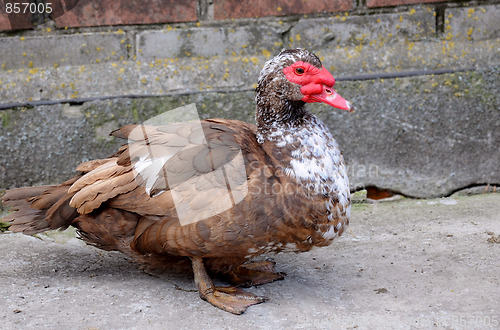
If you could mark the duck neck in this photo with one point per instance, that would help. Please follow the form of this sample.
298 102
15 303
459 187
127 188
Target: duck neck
275 114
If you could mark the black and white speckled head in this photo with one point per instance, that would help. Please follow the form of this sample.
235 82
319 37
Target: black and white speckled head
285 58
288 81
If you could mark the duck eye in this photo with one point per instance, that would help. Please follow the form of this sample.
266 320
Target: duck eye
299 71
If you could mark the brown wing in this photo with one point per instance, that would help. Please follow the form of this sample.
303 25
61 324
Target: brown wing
163 167
168 156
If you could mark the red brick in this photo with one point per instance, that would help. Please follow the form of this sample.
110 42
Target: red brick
4 22
224 9
123 12
389 3
11 22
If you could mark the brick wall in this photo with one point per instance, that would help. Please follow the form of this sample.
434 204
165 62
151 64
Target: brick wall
87 13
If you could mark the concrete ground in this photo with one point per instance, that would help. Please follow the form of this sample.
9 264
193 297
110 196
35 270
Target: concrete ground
402 264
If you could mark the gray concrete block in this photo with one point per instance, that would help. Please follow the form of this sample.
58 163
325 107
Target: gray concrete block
205 58
208 42
228 72
53 51
65 67
410 56
188 75
42 145
69 82
473 24
375 30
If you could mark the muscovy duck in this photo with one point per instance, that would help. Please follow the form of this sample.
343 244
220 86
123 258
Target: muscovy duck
296 188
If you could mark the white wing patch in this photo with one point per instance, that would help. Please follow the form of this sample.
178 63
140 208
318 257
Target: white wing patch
148 169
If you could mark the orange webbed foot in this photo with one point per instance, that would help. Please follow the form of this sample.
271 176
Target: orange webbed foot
230 299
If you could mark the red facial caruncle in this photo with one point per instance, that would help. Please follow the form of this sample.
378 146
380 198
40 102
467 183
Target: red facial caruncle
317 84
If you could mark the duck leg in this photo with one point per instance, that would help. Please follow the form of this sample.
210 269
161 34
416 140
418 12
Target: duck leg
255 273
230 299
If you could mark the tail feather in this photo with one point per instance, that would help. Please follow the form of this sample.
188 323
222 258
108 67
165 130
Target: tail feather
38 209
18 197
27 221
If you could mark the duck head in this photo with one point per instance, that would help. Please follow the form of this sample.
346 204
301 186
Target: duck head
291 79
